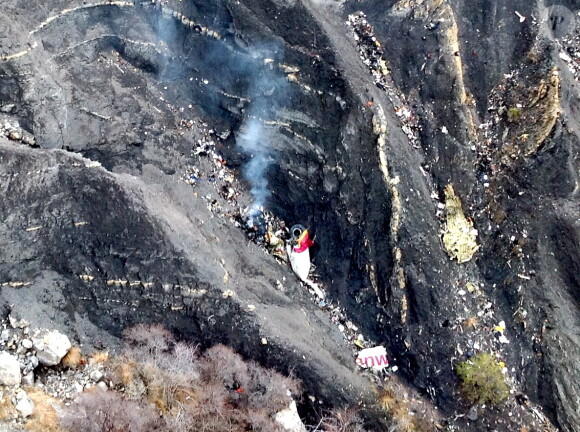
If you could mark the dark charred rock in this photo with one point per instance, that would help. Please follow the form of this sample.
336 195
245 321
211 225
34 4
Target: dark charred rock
363 162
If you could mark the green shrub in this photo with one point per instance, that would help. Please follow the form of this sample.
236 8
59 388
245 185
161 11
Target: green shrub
482 380
513 114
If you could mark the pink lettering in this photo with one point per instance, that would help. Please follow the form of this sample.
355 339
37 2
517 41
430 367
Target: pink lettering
372 360
382 360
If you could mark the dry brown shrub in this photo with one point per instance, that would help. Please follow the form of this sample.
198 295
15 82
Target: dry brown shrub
265 389
407 412
149 339
217 391
126 373
156 397
99 357
343 420
107 411
73 358
470 323
123 371
44 418
7 409
259 420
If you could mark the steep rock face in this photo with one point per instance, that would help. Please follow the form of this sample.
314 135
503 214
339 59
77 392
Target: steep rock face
103 232
129 242
460 63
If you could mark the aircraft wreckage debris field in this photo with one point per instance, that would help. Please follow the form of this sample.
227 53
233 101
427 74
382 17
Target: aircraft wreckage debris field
378 197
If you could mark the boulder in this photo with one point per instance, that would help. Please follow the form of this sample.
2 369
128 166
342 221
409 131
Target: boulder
28 379
51 347
24 404
96 375
9 370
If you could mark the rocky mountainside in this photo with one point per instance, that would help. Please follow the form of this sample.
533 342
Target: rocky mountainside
430 145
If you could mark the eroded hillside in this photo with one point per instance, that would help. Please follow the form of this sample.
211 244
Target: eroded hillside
430 145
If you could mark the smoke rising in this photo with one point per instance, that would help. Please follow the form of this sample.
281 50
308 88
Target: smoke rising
267 94
248 72
251 142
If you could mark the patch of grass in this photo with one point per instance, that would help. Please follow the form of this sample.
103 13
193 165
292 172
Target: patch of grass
482 380
470 323
73 358
7 409
99 357
124 373
44 418
406 412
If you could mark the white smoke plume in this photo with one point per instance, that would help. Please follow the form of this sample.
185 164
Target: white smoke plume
267 94
251 141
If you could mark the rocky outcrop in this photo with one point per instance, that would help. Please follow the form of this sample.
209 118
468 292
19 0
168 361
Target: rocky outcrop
9 370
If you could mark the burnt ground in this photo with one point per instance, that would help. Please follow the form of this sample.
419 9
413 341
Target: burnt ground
93 249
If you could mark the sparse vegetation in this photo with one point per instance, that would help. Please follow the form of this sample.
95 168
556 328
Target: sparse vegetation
343 420
403 410
513 114
99 357
44 417
470 323
106 411
7 409
482 380
167 385
73 358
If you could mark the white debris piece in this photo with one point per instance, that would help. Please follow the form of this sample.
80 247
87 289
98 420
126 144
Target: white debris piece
300 262
375 358
565 57
316 288
289 419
